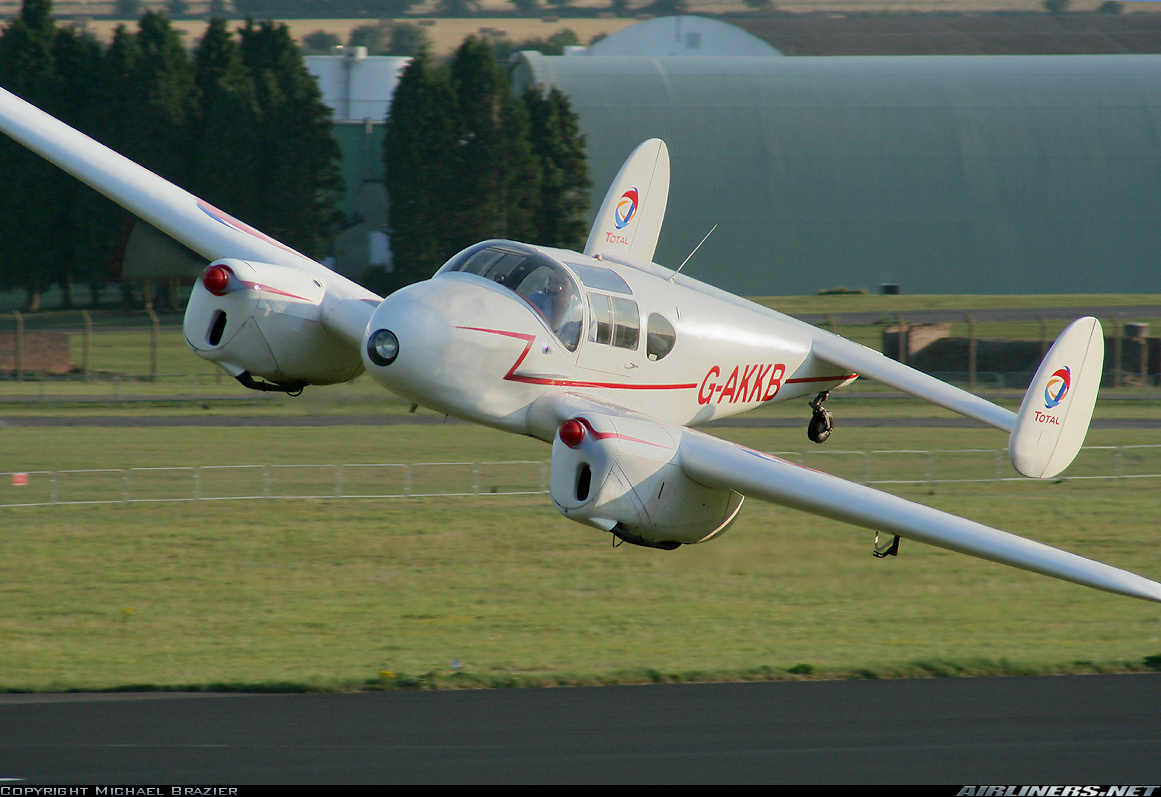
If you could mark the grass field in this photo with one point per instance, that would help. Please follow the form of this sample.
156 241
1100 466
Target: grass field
487 591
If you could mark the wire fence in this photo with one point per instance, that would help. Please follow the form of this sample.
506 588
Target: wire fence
521 477
945 466
242 482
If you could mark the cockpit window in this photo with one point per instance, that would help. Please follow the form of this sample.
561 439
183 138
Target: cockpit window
538 279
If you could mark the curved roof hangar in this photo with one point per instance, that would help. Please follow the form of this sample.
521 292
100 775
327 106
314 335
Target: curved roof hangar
982 174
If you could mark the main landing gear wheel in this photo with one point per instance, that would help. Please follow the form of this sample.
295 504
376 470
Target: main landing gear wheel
821 423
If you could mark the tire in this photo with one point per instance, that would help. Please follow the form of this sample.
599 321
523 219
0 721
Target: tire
820 427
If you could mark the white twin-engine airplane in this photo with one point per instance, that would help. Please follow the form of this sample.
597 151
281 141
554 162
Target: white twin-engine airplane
604 354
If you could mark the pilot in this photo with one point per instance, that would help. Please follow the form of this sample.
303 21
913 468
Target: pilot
561 307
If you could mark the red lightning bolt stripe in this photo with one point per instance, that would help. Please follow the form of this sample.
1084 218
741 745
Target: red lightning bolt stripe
512 376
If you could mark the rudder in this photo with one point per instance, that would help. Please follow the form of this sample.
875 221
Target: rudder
629 221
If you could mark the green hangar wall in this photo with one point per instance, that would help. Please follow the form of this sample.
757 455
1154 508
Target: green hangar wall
943 174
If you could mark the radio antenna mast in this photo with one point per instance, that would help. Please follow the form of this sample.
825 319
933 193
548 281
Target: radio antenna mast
694 252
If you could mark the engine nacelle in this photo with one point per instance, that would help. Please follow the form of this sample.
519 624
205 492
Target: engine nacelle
263 320
622 475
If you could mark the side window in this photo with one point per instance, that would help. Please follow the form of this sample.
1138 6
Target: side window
615 321
626 323
659 337
601 328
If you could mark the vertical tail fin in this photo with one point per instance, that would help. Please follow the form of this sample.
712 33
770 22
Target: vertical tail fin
629 221
1056 410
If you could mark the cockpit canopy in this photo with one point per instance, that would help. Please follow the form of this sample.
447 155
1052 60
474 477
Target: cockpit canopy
542 282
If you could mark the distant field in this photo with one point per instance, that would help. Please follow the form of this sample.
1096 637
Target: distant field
903 303
122 362
447 34
66 8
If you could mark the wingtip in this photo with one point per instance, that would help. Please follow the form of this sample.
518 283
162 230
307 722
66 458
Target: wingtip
1054 417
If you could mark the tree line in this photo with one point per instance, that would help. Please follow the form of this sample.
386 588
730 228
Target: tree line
239 122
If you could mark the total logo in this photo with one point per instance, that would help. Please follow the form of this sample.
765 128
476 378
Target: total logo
626 208
1057 387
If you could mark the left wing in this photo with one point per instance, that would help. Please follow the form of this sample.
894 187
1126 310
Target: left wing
1054 416
718 463
661 486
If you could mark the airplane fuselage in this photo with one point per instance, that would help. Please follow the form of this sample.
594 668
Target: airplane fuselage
475 346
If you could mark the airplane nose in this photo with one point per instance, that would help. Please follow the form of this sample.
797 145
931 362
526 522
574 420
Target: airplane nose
406 345
451 345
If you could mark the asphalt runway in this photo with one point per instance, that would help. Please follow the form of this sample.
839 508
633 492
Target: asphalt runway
1095 729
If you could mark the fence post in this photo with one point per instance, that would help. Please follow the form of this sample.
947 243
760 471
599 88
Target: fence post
87 347
154 336
1118 371
971 322
19 345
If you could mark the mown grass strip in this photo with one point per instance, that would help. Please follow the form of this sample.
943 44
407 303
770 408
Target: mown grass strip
321 595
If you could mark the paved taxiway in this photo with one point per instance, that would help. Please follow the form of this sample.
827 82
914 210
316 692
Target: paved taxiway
1039 730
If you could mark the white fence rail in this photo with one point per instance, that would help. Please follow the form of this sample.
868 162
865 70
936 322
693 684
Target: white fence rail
241 482
524 477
